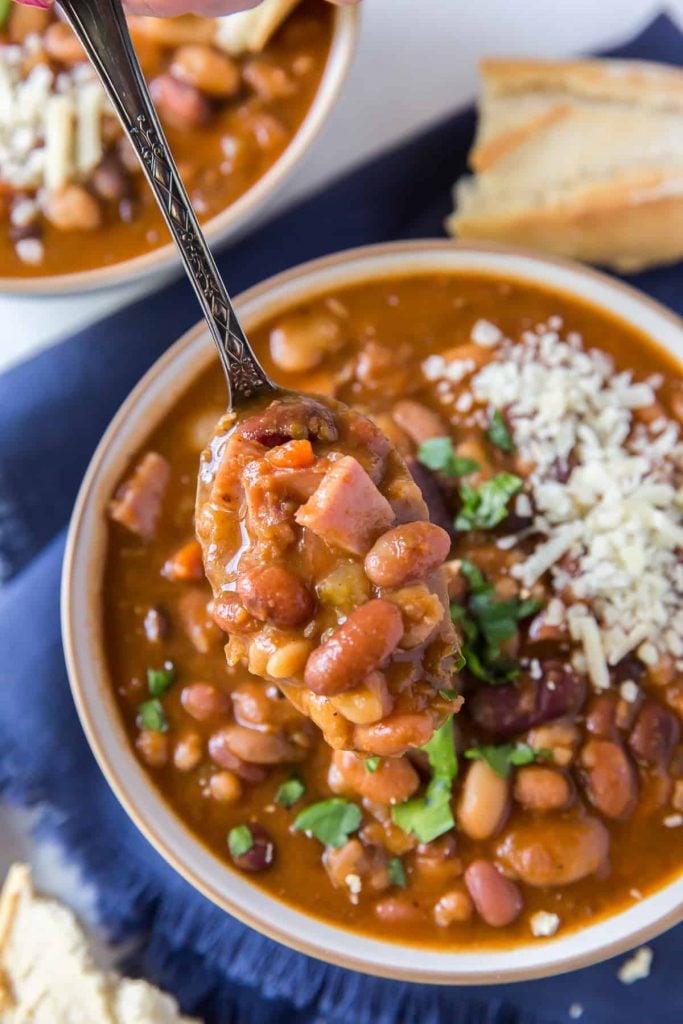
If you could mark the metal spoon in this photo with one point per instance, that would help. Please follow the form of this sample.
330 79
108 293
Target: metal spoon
102 30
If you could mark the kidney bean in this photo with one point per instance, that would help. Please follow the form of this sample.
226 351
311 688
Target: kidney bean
497 900
484 802
611 782
367 703
257 747
361 644
180 105
290 420
406 554
514 707
455 906
542 856
655 735
222 755
395 734
418 421
272 593
538 788
203 701
213 73
393 781
262 853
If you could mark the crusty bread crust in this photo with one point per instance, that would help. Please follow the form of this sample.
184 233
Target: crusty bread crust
627 80
580 158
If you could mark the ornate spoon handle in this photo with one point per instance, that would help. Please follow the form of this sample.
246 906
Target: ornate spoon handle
102 30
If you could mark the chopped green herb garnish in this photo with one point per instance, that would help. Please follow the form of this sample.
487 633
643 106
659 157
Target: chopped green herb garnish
486 623
499 434
430 815
290 791
240 840
502 758
159 679
485 506
330 821
371 764
151 715
448 694
439 454
396 872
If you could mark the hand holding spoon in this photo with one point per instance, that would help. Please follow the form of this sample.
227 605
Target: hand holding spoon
325 569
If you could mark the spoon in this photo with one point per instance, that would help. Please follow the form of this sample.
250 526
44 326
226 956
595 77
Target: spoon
101 28
358 672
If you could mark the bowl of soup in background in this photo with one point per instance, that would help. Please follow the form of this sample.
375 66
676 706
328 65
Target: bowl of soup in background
612 929
248 149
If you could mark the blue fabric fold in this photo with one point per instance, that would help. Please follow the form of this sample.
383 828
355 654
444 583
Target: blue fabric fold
53 409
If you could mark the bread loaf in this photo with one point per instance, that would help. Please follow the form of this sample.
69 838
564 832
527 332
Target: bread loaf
579 158
48 976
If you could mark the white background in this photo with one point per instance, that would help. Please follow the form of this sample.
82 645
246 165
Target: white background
416 61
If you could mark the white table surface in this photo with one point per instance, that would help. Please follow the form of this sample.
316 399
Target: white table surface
410 69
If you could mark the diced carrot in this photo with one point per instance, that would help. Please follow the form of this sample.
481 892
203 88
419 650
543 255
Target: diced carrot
185 563
292 455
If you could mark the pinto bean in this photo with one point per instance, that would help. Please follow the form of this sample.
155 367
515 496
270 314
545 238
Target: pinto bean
484 802
538 788
397 911
153 747
369 863
542 856
361 644
262 853
601 716
437 863
274 594
72 208
393 781
394 734
367 703
181 105
225 787
611 782
497 900
454 907
187 752
223 756
406 554
203 701
418 421
256 747
210 71
516 707
655 735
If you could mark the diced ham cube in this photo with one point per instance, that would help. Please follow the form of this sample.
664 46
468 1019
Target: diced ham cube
347 510
137 503
227 488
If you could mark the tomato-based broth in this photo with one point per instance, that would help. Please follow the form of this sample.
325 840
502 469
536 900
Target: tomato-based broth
544 436
81 203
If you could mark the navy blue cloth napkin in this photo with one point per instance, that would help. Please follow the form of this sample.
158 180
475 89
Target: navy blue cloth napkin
53 410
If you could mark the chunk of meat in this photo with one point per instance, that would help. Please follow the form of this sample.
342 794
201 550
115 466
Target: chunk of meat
290 420
418 421
137 503
346 510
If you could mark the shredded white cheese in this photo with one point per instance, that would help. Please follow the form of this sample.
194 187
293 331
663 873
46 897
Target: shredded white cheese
637 967
354 884
606 491
543 923
486 334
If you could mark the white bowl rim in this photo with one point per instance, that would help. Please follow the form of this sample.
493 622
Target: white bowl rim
145 406
229 222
